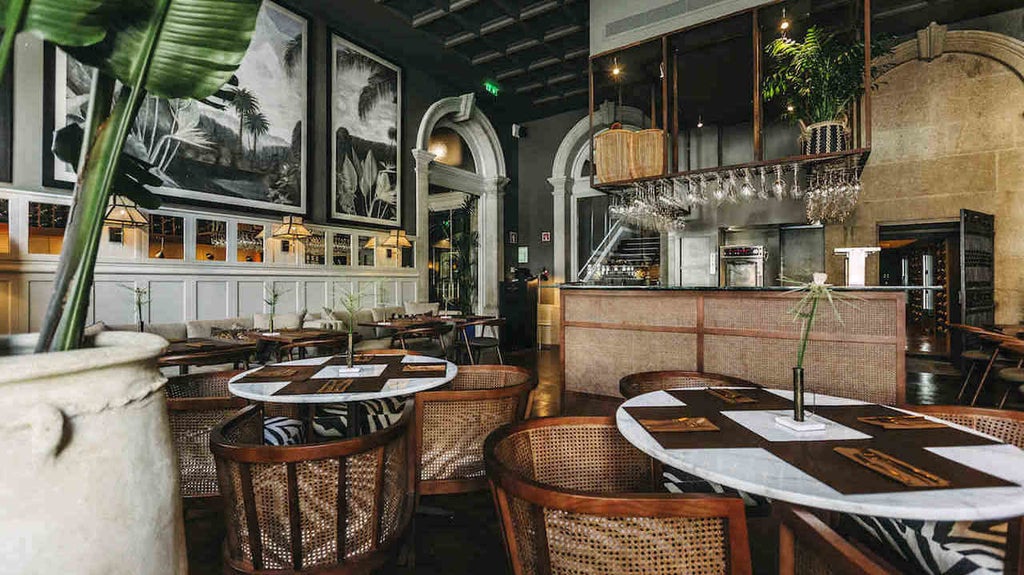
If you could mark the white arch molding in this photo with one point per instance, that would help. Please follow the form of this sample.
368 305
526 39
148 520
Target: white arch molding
487 183
568 186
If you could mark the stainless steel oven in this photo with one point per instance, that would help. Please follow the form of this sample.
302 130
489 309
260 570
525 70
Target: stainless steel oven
743 266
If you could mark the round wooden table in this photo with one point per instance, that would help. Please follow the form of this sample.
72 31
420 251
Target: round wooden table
321 373
753 454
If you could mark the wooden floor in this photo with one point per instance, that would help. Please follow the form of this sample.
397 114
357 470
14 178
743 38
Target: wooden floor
464 539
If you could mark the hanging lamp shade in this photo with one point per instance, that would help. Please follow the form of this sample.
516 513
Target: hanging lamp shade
124 213
397 239
443 244
291 228
370 243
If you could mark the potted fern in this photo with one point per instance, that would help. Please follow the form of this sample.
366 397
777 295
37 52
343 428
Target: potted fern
818 80
90 482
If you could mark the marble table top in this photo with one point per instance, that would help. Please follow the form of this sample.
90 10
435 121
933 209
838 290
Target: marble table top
755 470
265 390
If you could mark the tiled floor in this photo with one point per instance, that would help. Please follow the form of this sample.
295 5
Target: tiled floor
467 541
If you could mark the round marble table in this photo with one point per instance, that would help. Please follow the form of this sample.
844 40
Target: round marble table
757 471
264 391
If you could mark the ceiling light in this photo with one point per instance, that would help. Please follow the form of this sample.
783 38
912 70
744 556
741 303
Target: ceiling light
700 121
616 69
784 24
790 108
439 149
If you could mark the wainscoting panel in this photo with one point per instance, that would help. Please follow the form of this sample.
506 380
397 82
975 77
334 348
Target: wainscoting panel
170 301
315 296
114 302
7 308
39 292
250 297
212 300
289 296
408 291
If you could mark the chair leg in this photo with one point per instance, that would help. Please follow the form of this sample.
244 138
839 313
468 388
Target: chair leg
469 350
988 369
500 360
967 380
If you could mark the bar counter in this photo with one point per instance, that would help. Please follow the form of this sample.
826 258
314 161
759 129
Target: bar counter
608 332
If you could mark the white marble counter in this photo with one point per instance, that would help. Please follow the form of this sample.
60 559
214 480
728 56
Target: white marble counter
264 391
756 471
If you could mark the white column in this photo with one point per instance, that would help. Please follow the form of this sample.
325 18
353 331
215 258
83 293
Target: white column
559 195
423 159
491 257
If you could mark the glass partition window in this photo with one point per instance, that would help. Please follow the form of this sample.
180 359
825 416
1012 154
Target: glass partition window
315 254
211 240
5 228
46 225
166 237
367 250
408 255
250 243
341 252
714 103
630 83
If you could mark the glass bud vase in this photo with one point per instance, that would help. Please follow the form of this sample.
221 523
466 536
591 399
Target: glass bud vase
798 394
351 355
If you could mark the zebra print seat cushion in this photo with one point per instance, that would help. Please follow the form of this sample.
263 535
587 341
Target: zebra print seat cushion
677 481
332 420
934 547
283 431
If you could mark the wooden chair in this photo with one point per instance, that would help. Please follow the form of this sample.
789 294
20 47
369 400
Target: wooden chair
807 546
452 423
640 383
1013 377
336 507
195 405
476 345
574 497
428 340
990 353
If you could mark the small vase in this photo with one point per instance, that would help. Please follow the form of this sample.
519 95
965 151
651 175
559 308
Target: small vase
351 355
798 393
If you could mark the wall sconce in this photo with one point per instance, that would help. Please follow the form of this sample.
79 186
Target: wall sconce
396 239
291 228
123 213
784 24
616 68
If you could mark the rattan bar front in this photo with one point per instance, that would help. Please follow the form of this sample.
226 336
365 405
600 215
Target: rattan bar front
608 333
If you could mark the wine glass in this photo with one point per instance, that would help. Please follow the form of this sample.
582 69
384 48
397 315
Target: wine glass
795 192
779 187
747 191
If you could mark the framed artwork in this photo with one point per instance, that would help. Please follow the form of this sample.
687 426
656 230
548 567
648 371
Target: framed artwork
366 133
7 125
245 147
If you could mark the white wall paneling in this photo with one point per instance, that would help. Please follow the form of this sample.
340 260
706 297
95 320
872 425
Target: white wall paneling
187 289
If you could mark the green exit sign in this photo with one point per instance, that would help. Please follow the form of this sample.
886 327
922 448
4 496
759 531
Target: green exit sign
492 88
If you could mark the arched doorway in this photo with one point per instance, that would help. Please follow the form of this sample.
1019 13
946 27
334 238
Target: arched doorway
485 182
570 182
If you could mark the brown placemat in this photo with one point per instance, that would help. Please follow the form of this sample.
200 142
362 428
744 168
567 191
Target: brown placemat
678 425
756 399
393 369
820 460
901 422
892 467
291 373
730 435
945 436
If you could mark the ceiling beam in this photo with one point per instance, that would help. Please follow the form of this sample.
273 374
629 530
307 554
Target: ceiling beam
441 9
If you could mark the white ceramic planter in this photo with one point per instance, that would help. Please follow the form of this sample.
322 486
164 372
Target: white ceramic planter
88 478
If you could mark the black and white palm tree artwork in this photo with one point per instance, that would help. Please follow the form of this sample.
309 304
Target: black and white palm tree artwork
366 121
245 146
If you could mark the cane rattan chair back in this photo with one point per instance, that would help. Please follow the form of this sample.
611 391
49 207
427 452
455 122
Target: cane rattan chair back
807 546
1004 424
640 383
574 497
452 423
195 405
337 507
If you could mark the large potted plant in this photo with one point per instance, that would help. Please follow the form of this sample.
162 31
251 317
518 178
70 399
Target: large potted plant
90 482
818 80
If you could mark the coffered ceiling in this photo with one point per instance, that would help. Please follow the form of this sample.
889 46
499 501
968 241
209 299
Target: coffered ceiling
535 50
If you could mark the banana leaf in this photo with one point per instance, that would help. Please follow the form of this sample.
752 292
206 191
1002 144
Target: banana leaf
367 179
134 174
348 183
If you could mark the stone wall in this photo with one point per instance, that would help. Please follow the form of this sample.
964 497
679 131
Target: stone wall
947 134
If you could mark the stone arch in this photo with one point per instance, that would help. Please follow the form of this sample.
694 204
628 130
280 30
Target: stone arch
567 185
487 183
956 96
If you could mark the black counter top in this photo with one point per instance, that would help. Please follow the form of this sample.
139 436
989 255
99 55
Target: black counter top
755 289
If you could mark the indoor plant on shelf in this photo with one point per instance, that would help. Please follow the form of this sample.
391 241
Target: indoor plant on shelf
90 480
818 80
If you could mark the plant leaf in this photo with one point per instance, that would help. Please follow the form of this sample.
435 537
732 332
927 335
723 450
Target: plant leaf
199 47
368 178
134 176
348 182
